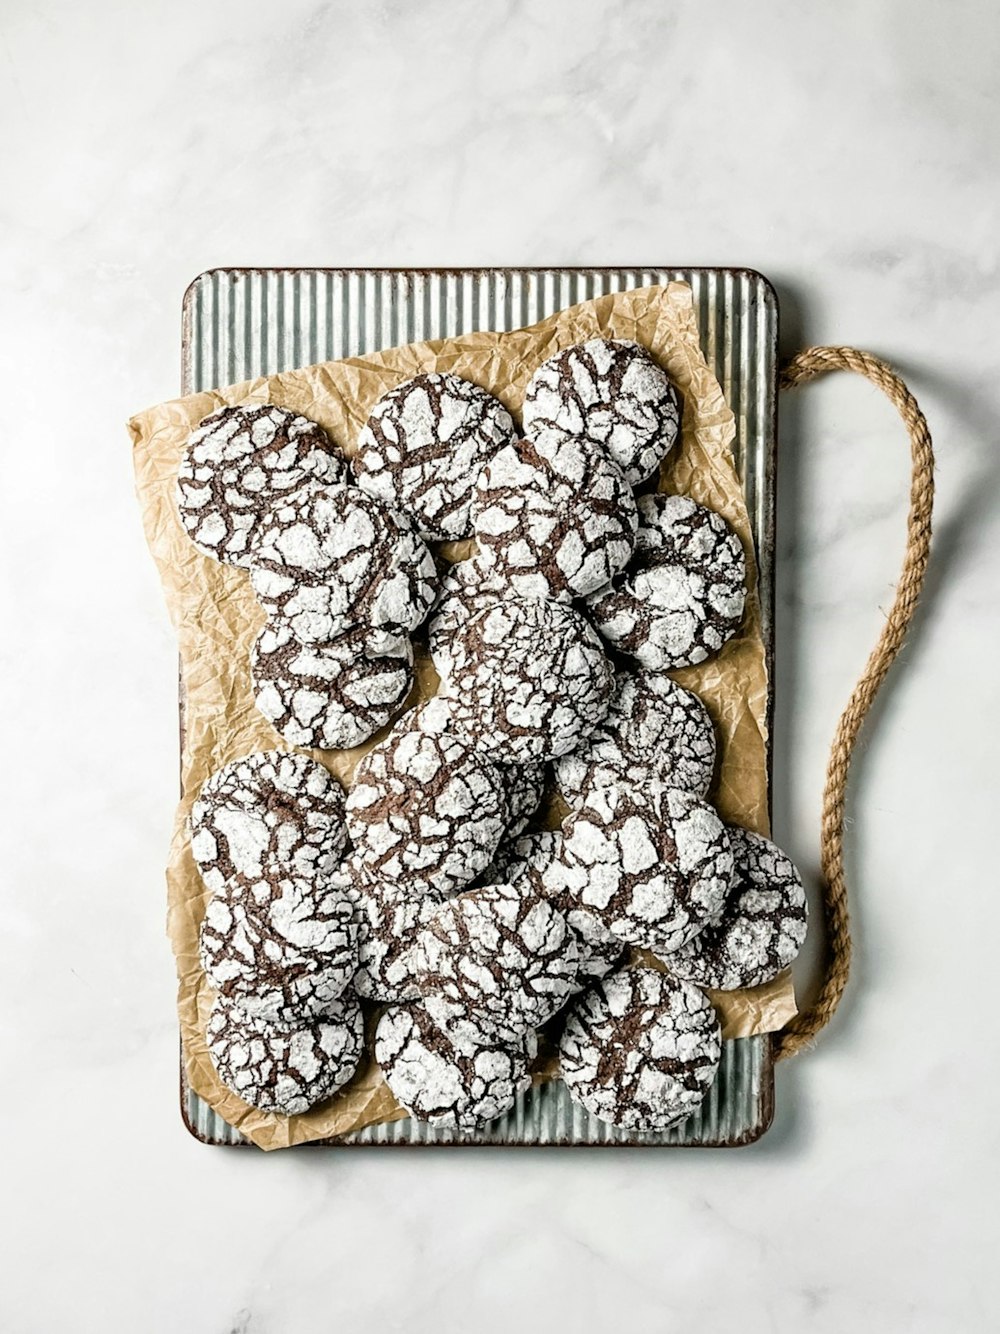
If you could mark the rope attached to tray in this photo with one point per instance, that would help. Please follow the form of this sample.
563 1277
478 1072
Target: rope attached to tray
805 366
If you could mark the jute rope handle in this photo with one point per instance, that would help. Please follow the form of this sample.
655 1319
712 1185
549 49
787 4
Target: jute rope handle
805 366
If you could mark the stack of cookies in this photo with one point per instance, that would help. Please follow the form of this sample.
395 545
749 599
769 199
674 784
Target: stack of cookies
471 924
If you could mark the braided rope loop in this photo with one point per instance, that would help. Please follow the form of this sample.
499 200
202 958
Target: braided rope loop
805 366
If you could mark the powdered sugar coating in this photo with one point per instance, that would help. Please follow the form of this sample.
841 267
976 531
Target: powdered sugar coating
654 871
451 1077
464 590
531 864
762 925
529 680
426 810
268 812
556 519
329 559
389 919
612 392
654 732
424 446
525 787
237 463
500 957
640 1050
285 1068
275 977
681 597
330 696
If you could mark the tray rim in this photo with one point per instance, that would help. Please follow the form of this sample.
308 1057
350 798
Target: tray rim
767 539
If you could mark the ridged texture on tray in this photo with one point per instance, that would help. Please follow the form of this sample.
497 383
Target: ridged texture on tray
217 619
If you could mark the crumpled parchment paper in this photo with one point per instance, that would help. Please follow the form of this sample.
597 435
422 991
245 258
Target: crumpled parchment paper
217 619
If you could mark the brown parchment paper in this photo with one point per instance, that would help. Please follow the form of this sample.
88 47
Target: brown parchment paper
217 619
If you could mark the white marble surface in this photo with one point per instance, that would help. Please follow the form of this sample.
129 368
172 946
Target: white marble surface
850 153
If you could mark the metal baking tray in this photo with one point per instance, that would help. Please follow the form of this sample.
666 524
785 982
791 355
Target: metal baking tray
240 323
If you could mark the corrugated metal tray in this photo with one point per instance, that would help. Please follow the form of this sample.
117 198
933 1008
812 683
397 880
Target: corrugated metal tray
241 323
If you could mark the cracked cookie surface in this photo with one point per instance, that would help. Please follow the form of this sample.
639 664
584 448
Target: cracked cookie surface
681 596
529 680
450 1076
390 916
640 1050
654 733
464 590
237 463
425 444
500 957
655 871
426 810
528 864
268 811
332 558
553 520
762 925
330 696
612 392
289 1067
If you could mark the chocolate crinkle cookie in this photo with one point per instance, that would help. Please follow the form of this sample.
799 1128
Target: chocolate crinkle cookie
681 597
246 960
267 812
529 680
612 392
285 1067
281 943
332 558
465 589
451 1076
390 917
531 865
654 732
655 871
640 1050
235 466
330 696
424 445
501 958
555 519
762 925
426 810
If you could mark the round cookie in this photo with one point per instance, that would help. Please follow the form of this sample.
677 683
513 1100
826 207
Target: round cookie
327 560
464 591
237 463
529 680
654 732
499 957
426 811
269 811
389 919
329 696
245 960
640 1050
453 1077
554 520
425 444
654 871
762 925
530 865
285 1068
612 392
681 597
